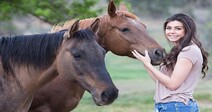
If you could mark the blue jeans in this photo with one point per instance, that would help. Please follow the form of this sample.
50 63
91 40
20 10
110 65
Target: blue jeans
177 107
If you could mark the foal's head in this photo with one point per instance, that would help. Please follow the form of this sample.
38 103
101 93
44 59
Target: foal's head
81 59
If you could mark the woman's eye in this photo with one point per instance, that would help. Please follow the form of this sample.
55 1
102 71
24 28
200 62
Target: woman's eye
168 28
178 28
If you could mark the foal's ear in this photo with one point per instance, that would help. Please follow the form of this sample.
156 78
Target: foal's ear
111 9
123 7
74 28
95 25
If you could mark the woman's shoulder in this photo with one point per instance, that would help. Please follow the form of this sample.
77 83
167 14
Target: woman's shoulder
193 48
191 52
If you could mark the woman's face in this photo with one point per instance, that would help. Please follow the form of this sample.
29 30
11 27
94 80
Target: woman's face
174 31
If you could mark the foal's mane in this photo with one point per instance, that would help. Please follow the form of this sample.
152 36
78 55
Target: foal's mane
38 50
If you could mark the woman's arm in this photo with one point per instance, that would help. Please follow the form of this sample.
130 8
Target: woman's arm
181 71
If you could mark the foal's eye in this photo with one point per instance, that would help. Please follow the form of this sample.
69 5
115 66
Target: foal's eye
77 56
124 30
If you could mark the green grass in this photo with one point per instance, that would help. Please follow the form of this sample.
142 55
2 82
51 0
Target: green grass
121 67
125 103
136 89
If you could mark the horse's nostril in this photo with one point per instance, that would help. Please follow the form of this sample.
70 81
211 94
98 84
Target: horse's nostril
159 54
105 96
109 96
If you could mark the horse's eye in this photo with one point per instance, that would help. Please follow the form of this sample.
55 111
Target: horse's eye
77 56
125 30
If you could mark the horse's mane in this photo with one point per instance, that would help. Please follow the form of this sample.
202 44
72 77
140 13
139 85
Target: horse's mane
84 34
87 22
62 26
38 50
83 24
128 14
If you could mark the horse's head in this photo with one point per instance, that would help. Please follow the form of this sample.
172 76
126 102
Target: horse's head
81 59
124 32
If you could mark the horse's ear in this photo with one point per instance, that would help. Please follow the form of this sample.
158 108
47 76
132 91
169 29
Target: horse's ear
74 28
95 25
123 7
111 9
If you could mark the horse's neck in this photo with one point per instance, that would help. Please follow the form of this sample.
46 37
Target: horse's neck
32 79
104 23
44 78
100 38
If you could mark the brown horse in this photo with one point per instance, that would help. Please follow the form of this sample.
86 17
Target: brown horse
28 62
120 32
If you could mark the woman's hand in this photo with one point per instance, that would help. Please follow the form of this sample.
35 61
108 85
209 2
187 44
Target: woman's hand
145 59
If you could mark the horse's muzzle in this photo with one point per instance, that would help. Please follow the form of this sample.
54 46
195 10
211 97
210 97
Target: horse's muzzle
109 95
157 56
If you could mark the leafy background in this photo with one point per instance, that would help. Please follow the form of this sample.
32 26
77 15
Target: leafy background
136 89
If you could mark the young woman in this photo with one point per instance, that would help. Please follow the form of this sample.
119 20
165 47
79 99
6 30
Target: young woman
181 68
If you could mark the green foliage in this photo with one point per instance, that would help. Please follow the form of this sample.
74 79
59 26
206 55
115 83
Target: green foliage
117 2
155 8
5 11
50 11
80 9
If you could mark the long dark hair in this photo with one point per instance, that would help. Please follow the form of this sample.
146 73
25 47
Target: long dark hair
190 35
